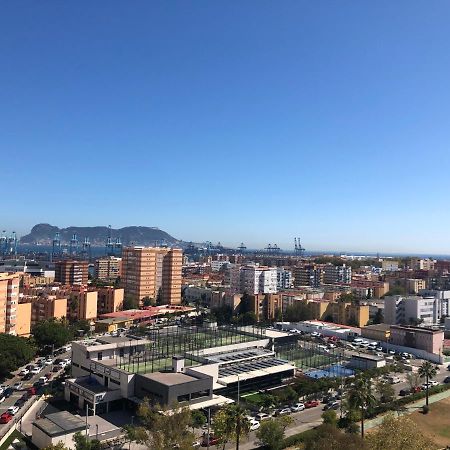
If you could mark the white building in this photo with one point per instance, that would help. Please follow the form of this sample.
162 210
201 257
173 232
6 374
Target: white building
253 279
405 310
284 278
217 265
389 265
337 274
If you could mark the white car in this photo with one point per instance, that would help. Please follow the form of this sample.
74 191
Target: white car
24 372
2 398
67 361
284 411
35 370
262 416
298 407
62 364
17 386
254 425
331 345
13 410
48 362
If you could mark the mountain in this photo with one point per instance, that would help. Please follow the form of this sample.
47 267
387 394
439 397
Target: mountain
44 233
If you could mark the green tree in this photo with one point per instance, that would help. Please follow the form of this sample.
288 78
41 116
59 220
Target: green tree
148 301
130 302
82 442
398 434
330 417
231 423
160 297
298 312
361 398
198 419
223 314
59 446
328 437
385 391
161 429
271 432
427 371
378 318
14 352
51 333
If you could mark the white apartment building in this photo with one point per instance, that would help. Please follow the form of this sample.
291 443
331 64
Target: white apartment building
404 310
284 278
389 265
337 274
217 265
253 279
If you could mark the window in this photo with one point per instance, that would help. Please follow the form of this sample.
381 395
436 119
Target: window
100 356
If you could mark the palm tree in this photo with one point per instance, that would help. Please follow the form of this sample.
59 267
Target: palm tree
427 371
361 397
231 422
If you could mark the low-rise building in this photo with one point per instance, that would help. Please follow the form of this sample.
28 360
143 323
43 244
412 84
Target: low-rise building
109 299
426 339
380 332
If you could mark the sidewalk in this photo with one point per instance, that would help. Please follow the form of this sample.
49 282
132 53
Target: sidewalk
412 407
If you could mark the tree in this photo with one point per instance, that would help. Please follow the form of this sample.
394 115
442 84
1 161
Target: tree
427 371
198 419
271 432
362 398
378 318
401 433
14 352
231 423
161 429
130 302
148 301
413 379
82 442
160 297
385 391
59 446
329 417
51 333
223 314
328 437
298 312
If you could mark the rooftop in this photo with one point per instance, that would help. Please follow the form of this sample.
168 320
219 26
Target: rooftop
170 378
60 423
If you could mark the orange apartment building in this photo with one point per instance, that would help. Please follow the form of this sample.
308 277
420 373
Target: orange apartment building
152 272
73 273
109 300
82 304
9 299
108 268
265 306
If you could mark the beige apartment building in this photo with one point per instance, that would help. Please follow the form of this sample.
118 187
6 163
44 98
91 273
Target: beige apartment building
108 268
23 323
82 305
109 300
74 273
9 298
154 272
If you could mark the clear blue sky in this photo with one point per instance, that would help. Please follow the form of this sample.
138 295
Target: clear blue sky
252 121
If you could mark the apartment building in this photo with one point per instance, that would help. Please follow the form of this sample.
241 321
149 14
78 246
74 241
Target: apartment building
309 275
284 278
82 304
152 272
108 268
253 279
9 299
389 265
411 309
421 264
23 321
74 273
337 274
45 308
414 285
109 300
265 306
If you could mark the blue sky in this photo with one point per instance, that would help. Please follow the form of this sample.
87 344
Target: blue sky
252 121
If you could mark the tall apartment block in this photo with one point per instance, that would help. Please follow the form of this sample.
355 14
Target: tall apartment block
337 274
71 272
9 298
252 279
108 268
308 275
152 272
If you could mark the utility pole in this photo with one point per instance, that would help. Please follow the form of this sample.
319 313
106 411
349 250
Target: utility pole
209 422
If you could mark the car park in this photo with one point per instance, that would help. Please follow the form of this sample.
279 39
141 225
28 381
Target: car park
6 417
311 404
13 410
297 407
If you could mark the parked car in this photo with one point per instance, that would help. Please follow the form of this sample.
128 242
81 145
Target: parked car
42 380
13 410
48 362
212 441
7 392
31 391
62 364
332 405
254 425
5 417
24 372
297 407
35 370
2 398
17 386
311 404
416 389
404 392
262 416
283 411
394 380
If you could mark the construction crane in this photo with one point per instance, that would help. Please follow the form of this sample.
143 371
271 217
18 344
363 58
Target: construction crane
299 250
73 249
86 248
118 244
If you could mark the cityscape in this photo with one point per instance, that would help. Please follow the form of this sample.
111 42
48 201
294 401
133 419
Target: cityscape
224 225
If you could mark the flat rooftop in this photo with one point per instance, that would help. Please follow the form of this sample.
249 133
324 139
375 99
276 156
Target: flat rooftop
60 423
170 378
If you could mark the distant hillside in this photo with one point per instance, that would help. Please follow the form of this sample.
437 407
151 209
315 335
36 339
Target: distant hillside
43 234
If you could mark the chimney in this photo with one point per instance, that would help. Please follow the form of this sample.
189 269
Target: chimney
177 364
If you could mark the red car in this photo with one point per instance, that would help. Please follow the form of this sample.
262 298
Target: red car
212 441
311 404
5 417
416 389
31 391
